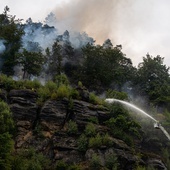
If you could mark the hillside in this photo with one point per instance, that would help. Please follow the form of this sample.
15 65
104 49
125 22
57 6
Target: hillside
76 134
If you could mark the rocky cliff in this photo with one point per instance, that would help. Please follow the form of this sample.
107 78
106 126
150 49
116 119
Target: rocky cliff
46 129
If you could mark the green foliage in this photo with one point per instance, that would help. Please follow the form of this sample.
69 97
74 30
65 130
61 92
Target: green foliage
105 66
52 91
99 140
153 79
30 160
61 165
90 130
63 91
111 161
28 84
43 94
123 128
6 148
55 66
106 140
7 82
95 99
116 94
31 62
72 127
95 161
6 142
166 157
11 32
82 143
95 142
51 86
6 121
74 94
80 84
93 119
61 79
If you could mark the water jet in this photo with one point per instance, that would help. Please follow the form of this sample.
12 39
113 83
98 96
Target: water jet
157 125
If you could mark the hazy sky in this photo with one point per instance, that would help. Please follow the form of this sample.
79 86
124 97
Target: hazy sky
141 26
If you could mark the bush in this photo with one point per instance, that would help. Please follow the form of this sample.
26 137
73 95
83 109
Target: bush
90 129
43 94
95 161
111 161
30 160
95 99
63 91
7 82
72 127
61 80
82 143
51 86
6 121
6 142
6 148
61 165
93 119
95 142
74 94
106 140
33 85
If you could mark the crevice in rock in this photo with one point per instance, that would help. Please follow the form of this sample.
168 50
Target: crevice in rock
35 123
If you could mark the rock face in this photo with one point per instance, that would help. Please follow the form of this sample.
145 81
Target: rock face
45 129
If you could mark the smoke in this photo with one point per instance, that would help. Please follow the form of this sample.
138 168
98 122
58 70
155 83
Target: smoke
38 33
140 26
93 17
2 46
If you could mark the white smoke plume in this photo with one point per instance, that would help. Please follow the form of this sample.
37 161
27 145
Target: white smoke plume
140 26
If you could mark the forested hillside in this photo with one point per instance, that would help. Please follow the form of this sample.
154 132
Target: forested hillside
53 113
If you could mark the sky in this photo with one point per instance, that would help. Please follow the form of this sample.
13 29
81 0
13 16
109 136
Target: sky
140 26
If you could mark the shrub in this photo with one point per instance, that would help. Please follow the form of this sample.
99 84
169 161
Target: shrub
74 94
29 160
82 143
72 127
93 120
95 99
61 79
6 142
43 94
6 121
6 147
7 82
61 165
80 84
95 142
34 85
51 86
90 129
63 91
95 161
106 140
111 161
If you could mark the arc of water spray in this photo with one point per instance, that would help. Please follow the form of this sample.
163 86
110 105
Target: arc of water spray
111 100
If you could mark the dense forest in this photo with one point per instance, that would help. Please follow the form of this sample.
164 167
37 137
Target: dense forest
35 57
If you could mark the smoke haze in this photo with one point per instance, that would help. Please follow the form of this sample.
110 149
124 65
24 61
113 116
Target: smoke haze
2 46
140 26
